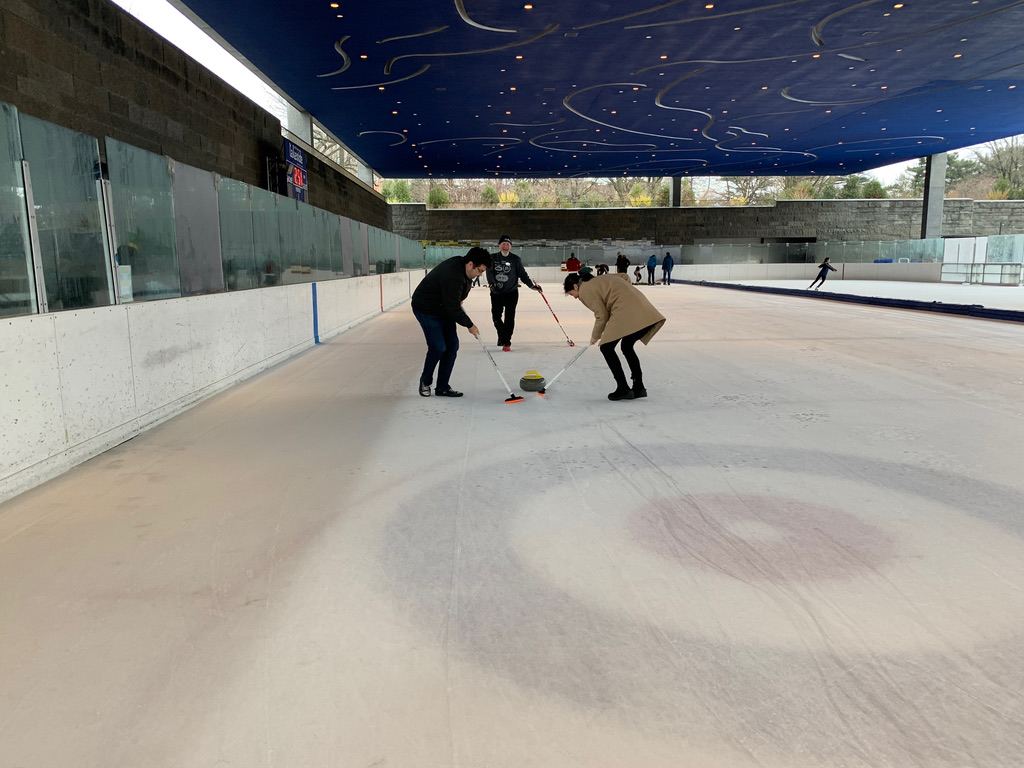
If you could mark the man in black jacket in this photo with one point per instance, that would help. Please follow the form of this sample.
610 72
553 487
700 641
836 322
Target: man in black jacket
437 304
503 278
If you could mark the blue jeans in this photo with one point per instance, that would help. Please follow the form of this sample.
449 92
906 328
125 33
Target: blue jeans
442 349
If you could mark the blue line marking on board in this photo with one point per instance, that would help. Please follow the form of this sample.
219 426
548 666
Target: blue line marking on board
316 320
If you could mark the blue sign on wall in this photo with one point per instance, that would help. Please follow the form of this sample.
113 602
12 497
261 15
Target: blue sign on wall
295 175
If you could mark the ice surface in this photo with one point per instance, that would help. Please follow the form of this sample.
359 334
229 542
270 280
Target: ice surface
803 549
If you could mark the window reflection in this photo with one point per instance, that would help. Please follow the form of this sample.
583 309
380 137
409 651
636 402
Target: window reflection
17 286
64 168
143 200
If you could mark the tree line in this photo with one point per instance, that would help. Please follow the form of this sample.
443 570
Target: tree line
994 172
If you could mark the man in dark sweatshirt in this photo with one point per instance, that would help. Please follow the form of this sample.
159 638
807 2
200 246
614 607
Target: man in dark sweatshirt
437 304
503 278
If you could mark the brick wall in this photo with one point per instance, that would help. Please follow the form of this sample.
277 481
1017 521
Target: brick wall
89 66
786 220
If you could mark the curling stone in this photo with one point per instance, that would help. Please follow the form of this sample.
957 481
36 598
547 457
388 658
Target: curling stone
532 382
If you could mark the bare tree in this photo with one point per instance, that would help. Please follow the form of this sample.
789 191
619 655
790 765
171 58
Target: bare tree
750 190
1004 159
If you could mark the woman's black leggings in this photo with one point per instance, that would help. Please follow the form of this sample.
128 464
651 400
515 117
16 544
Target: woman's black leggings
628 342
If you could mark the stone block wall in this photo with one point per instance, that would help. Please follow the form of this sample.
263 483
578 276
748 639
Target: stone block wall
338 192
821 220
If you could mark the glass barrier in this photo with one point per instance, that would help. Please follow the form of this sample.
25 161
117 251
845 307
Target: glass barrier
238 251
266 232
295 220
143 201
360 262
1006 249
197 225
64 169
17 282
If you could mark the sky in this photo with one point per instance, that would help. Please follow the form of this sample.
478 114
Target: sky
174 26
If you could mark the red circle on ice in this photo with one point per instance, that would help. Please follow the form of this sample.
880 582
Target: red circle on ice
753 537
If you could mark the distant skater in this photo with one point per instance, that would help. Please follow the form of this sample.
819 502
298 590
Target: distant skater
823 270
666 269
652 264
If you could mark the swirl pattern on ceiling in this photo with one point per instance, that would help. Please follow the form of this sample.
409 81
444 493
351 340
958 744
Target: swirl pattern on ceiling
874 82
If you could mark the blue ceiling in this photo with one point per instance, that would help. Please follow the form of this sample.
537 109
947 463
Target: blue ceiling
478 88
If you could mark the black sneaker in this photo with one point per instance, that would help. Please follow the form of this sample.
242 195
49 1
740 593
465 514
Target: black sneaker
639 392
424 390
447 393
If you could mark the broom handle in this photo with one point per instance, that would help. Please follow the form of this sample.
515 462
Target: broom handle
571 361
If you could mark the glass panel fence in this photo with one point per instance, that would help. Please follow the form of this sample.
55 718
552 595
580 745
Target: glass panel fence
143 201
266 230
294 247
197 224
1006 249
358 257
17 282
64 169
238 252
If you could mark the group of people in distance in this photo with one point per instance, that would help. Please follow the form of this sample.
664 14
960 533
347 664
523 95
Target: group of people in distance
622 314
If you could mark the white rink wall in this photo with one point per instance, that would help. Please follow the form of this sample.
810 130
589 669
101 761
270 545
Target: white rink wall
913 273
74 384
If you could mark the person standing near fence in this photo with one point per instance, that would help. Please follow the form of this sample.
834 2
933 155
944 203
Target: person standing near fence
503 278
652 264
666 268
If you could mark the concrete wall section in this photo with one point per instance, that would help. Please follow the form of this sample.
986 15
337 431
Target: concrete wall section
74 384
823 220
338 192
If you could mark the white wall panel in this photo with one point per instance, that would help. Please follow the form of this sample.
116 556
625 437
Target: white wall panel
395 286
300 315
343 303
276 307
97 388
31 414
75 383
161 353
227 335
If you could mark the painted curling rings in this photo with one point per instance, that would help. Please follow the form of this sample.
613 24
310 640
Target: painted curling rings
644 577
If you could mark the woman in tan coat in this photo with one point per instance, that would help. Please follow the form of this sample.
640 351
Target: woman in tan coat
621 313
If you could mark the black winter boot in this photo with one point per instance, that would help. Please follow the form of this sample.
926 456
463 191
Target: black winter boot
622 390
638 388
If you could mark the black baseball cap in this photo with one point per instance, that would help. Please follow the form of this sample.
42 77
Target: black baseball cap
504 239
